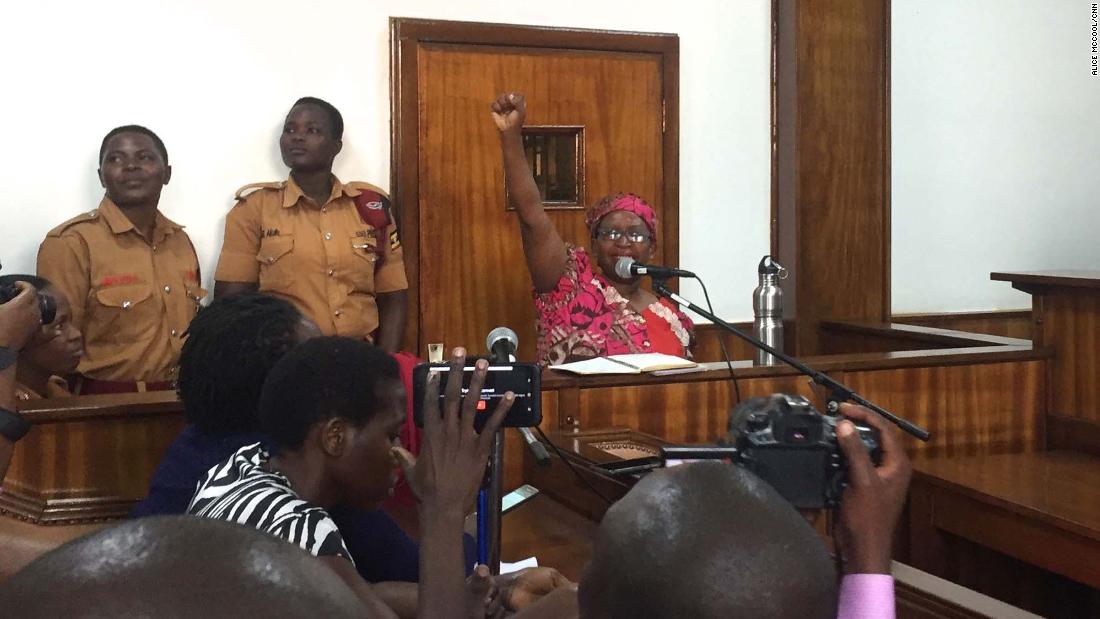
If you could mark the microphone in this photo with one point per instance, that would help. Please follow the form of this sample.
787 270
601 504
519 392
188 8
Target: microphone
626 268
502 343
538 450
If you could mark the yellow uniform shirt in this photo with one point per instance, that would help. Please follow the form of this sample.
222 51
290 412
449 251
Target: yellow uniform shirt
322 257
132 298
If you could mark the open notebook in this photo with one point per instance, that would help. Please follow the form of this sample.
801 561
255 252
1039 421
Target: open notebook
625 364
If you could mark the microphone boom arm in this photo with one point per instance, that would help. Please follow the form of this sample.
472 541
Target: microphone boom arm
837 391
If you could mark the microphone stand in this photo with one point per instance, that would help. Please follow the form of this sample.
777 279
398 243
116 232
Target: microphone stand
837 391
488 508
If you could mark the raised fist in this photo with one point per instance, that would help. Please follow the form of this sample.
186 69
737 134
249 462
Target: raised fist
509 112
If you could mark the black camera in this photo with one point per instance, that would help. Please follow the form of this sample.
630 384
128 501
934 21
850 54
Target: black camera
786 442
47 307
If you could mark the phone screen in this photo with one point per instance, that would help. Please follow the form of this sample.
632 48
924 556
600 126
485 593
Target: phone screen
522 379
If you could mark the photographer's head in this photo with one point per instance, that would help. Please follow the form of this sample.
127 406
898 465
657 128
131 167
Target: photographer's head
706 540
55 348
336 405
230 348
178 566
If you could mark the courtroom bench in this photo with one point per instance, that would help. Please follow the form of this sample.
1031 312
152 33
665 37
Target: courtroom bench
1012 526
84 463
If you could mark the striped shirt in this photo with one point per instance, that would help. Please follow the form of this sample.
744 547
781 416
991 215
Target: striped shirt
243 490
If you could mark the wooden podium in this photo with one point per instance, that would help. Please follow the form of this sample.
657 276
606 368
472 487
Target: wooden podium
1065 311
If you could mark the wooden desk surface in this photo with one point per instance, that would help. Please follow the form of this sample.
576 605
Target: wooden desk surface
1059 488
1078 278
1024 528
982 349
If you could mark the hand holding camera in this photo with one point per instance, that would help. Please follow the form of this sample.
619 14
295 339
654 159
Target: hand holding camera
874 496
20 314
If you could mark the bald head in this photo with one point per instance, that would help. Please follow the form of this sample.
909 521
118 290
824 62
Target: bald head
178 566
706 540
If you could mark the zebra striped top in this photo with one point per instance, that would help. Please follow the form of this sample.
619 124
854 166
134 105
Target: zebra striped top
243 490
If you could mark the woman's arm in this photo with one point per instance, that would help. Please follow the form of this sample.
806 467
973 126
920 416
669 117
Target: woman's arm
372 604
542 245
391 319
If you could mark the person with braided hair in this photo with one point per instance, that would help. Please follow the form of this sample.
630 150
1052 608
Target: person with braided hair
230 348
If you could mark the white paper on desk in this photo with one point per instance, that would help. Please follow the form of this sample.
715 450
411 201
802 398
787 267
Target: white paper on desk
508 568
596 365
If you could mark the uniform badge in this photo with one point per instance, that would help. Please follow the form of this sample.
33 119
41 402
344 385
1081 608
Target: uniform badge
118 280
377 206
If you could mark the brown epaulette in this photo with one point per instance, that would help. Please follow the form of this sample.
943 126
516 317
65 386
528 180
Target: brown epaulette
91 215
359 185
249 189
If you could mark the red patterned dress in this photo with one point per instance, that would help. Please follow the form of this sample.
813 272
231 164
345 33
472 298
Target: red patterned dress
584 315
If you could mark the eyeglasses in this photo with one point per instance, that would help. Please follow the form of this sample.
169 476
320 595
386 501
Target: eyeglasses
614 234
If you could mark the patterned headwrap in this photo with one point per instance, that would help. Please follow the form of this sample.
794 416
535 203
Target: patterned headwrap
622 202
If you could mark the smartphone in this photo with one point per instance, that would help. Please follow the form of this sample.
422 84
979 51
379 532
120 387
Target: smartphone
522 379
517 497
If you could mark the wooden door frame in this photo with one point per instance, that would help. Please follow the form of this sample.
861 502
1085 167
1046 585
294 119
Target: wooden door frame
804 43
407 34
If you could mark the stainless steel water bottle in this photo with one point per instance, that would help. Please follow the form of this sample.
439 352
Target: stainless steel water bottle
767 307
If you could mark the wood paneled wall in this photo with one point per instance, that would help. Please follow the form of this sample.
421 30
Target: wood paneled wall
707 338
976 401
1007 323
1066 318
853 337
832 160
89 458
1070 322
462 248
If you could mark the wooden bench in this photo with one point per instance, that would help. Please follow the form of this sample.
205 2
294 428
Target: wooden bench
84 464
1043 508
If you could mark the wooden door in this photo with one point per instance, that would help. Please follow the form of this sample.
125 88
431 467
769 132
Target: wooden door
467 267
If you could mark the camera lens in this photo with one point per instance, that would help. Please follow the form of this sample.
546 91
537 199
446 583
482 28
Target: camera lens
47 307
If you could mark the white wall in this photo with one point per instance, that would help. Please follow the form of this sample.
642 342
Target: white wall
214 78
996 144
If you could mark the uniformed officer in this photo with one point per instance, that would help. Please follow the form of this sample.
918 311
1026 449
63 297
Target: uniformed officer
330 248
131 275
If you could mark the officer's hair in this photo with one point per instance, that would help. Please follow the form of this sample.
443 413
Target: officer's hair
133 129
335 119
230 348
320 379
41 283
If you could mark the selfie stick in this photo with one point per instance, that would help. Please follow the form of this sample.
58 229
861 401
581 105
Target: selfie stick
488 508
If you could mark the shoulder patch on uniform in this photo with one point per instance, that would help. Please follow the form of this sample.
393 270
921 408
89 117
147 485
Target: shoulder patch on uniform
251 188
361 185
91 215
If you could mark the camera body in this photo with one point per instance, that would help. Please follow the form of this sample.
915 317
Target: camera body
47 307
785 441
